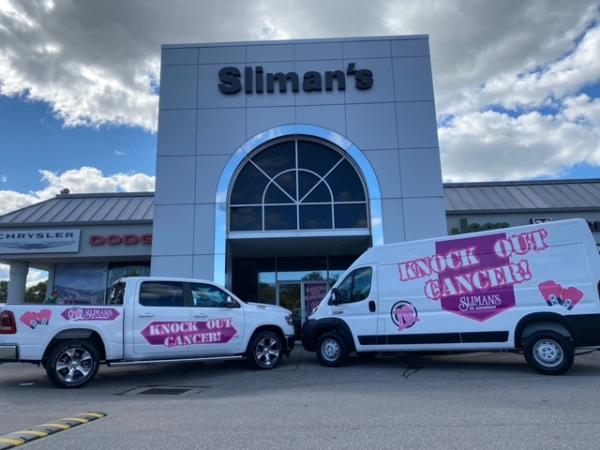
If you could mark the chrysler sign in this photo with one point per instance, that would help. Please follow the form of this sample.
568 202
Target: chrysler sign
39 241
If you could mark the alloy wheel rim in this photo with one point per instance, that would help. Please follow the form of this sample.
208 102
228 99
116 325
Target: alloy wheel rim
548 353
74 364
267 351
330 349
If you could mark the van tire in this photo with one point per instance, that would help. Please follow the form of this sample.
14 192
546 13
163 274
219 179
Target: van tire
332 350
549 353
265 350
80 355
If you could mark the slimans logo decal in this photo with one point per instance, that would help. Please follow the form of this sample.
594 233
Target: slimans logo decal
77 313
404 315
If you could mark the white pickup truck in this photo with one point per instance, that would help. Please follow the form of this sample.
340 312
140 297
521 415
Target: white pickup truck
146 320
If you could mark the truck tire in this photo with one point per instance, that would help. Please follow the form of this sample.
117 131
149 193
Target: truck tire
72 364
265 350
549 353
332 350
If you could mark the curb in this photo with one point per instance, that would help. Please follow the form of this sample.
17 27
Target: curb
19 438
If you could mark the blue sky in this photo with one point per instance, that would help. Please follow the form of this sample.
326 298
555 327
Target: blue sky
30 128
517 86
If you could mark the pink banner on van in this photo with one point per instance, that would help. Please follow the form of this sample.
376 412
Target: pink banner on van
178 334
460 293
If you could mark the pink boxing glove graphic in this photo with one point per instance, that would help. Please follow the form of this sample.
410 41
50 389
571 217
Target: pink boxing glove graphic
572 296
552 292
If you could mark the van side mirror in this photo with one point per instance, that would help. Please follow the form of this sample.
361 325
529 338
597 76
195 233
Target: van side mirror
335 297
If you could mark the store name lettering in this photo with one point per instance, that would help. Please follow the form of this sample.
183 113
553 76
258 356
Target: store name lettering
98 240
256 80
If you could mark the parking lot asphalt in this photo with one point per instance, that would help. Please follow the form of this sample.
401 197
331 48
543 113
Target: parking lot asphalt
479 400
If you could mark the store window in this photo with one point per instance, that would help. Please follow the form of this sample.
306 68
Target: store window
80 284
297 184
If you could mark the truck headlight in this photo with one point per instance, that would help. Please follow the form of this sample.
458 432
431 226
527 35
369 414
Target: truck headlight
289 319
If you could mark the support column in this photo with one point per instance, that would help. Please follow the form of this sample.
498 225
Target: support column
17 282
50 286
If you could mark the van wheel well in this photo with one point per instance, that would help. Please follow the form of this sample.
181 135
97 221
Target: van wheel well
89 335
540 322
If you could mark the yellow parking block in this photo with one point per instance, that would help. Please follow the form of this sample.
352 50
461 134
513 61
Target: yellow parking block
12 441
97 415
32 432
62 426
76 419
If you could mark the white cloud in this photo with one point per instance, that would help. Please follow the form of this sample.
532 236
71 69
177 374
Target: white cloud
3 178
120 153
97 63
488 145
82 180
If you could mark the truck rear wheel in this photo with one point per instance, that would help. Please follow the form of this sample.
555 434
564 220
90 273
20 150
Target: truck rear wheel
265 350
332 350
549 353
72 364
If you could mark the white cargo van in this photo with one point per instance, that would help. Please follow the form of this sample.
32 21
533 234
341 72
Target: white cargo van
533 288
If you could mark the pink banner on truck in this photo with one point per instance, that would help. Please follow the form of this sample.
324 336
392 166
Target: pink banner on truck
177 334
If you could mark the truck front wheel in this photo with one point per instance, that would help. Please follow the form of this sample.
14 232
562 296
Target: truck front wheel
549 353
265 350
72 364
332 350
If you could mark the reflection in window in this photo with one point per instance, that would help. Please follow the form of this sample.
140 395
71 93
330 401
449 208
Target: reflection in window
208 296
297 184
79 284
161 293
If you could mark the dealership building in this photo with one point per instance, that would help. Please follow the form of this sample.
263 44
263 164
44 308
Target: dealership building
278 163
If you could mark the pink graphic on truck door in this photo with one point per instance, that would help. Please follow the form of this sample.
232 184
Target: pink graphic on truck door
178 334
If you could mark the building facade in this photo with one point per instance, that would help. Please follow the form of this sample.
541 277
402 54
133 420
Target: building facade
86 241
281 162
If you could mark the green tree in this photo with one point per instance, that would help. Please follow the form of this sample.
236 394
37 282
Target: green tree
3 291
36 293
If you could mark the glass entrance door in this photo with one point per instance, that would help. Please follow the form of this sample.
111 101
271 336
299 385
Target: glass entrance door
289 296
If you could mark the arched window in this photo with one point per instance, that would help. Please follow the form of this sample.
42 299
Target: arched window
297 184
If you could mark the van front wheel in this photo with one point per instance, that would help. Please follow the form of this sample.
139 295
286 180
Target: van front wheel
332 350
549 353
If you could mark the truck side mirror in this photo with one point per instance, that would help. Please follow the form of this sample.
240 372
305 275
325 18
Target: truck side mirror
230 303
335 297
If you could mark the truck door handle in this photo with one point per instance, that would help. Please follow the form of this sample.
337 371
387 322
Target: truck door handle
200 315
372 306
146 315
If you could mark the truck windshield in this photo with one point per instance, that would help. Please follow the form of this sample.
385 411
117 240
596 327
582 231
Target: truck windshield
117 294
